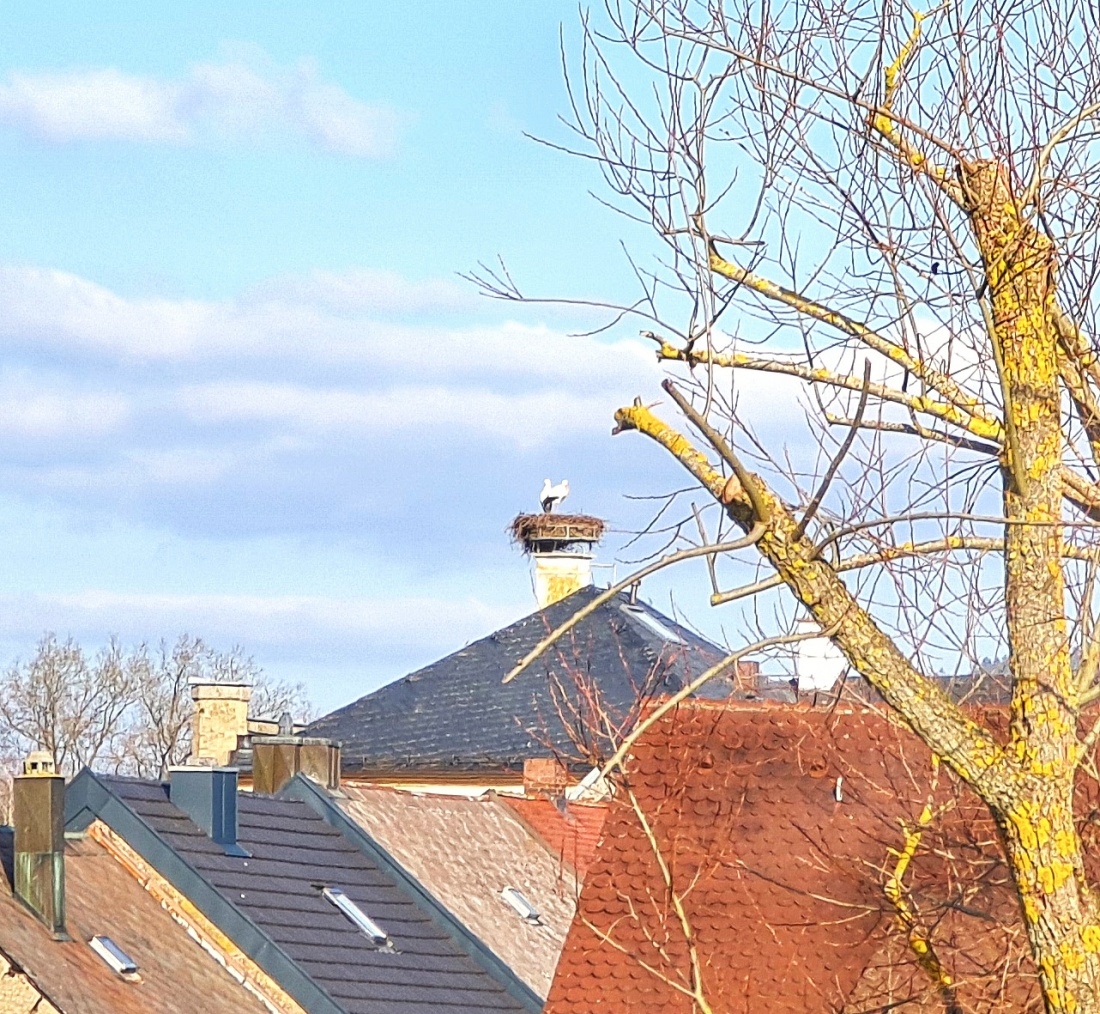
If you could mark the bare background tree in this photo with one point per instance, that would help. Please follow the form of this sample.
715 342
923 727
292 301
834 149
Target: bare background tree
896 210
123 711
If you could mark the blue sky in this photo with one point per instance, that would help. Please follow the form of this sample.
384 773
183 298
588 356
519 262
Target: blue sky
244 393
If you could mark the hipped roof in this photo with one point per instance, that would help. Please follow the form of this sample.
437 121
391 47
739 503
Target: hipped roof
456 715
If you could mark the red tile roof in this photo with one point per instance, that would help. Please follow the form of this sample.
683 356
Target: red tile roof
776 824
572 833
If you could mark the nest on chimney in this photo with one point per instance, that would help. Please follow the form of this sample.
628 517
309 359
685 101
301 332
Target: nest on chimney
533 530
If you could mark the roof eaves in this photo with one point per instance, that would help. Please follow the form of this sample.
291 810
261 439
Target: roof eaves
304 790
88 799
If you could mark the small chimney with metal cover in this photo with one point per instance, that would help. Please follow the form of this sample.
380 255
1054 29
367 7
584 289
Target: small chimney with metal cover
559 544
38 804
277 759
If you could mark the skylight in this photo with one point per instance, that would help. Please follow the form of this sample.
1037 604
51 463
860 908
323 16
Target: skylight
115 956
520 904
649 620
378 936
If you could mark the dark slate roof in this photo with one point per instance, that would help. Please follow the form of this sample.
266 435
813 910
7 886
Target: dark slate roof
270 903
456 714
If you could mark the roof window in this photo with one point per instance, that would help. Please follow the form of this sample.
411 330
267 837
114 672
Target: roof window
647 619
115 956
378 936
521 904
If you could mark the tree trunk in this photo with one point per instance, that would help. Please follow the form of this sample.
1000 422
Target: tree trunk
1059 910
1036 812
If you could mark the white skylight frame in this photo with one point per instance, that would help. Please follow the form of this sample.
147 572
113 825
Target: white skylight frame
377 935
521 905
645 617
114 956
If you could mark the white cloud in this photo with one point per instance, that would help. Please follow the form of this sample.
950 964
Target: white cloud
91 105
324 318
293 405
31 411
524 418
242 99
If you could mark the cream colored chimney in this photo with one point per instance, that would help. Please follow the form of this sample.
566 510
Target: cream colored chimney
560 545
558 575
221 718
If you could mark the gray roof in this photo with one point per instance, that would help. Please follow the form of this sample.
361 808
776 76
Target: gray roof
456 714
270 903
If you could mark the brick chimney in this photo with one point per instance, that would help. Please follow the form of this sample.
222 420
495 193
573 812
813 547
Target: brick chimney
746 677
544 776
38 805
220 720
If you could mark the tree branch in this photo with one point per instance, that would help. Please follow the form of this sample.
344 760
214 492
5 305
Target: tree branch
969 748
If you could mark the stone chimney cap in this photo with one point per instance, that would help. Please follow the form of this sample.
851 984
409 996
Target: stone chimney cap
293 740
210 690
39 762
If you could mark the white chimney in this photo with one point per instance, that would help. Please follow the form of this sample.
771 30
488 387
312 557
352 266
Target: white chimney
818 662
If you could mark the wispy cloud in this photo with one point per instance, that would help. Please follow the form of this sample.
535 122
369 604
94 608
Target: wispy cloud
522 418
326 319
244 99
232 414
41 409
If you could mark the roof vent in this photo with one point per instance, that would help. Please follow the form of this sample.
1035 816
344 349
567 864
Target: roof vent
378 936
115 957
521 905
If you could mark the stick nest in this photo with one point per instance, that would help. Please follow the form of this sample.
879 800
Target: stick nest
529 529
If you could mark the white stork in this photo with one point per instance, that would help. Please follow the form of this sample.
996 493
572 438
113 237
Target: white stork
551 495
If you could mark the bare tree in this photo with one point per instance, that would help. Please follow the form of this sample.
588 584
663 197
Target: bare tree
123 711
61 701
899 212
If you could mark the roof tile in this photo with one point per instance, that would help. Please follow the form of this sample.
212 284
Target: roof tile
465 851
177 975
294 854
780 882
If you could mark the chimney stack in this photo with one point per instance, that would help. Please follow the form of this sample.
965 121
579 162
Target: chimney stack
558 575
277 759
209 797
746 677
220 721
545 776
561 547
39 814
